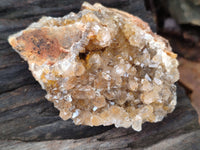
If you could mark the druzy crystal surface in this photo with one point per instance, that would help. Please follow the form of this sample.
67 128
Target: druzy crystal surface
101 66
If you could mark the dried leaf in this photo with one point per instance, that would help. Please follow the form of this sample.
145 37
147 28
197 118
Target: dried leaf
190 77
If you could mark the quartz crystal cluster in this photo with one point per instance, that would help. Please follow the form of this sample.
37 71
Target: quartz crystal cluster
101 66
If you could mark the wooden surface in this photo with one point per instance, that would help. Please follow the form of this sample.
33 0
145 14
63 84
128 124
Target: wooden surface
25 115
188 141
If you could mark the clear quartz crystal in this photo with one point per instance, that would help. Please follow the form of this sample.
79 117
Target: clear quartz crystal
101 66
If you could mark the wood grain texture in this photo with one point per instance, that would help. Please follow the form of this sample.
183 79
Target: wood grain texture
189 141
26 115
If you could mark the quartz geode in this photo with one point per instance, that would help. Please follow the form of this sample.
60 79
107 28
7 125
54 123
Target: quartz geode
101 66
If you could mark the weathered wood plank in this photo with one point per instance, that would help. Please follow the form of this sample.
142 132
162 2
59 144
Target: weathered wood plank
189 141
26 115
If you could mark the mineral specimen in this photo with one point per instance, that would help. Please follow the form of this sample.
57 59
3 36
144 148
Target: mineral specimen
101 66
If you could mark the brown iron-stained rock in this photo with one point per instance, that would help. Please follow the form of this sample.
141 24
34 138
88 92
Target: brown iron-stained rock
101 66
